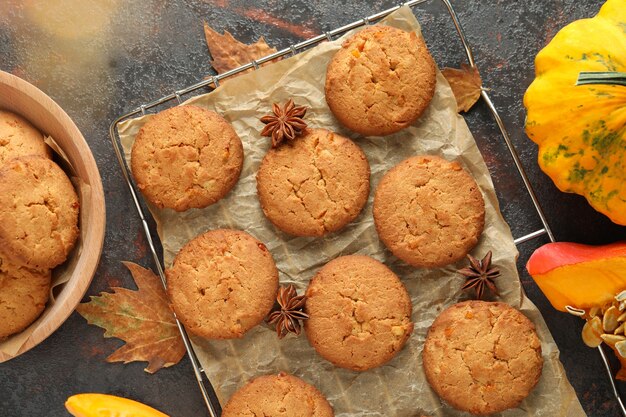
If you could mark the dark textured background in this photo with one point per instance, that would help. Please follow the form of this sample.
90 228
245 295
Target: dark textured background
140 51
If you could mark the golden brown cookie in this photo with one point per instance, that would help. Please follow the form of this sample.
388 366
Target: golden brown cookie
19 138
281 395
38 213
482 357
359 313
380 81
186 157
23 297
429 212
314 185
222 283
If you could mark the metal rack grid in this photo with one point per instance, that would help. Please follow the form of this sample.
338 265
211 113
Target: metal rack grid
175 98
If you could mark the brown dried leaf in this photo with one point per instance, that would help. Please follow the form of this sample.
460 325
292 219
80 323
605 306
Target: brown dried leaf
228 53
141 318
466 85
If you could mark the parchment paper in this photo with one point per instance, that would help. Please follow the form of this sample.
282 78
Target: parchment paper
398 388
62 273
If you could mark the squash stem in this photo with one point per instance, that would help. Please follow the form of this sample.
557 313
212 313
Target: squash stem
610 78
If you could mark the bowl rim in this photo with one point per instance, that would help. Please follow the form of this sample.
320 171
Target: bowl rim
93 240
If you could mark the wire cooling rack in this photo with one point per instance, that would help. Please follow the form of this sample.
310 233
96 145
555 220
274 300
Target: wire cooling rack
175 98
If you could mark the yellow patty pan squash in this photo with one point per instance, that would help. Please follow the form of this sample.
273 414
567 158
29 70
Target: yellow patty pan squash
103 405
581 129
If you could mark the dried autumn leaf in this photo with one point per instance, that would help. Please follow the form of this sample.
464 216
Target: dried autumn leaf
141 318
466 85
228 53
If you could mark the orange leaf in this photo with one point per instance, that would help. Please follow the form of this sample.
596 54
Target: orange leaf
141 318
228 53
466 85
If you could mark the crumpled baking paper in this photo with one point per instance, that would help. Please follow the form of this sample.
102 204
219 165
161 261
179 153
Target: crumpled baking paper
61 274
398 388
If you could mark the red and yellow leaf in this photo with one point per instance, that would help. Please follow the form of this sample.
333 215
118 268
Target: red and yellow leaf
141 318
466 85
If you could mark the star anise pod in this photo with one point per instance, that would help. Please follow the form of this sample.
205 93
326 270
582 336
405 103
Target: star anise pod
480 274
285 123
286 318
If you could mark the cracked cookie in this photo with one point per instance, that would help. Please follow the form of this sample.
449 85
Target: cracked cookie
19 138
222 283
186 157
314 185
38 213
359 313
482 357
281 395
429 212
23 297
380 81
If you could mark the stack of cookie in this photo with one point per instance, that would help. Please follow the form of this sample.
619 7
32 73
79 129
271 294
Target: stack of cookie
38 222
429 212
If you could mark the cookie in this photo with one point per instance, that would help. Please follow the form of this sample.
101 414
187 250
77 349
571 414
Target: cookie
429 212
314 185
281 395
380 81
23 297
19 138
482 357
38 213
222 283
186 157
359 313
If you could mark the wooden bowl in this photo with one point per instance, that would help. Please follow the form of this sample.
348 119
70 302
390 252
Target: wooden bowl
20 97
